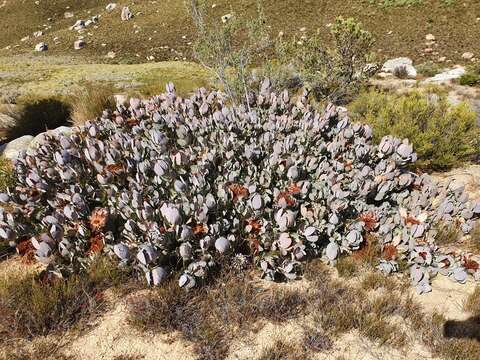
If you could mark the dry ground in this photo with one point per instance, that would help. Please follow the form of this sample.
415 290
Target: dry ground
163 29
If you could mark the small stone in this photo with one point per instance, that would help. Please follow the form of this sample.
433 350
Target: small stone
68 15
226 17
38 33
79 25
430 37
467 55
126 14
428 50
79 44
110 55
442 59
41 47
110 7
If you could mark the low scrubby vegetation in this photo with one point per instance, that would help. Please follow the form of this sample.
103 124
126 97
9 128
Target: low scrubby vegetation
472 76
89 101
35 304
6 174
213 315
443 135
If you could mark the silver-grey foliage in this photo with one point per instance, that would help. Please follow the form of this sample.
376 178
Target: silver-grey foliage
174 184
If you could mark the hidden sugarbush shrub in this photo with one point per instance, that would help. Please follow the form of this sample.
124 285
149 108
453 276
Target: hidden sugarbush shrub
183 187
443 135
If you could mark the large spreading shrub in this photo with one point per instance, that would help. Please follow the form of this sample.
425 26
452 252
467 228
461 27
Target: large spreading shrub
174 185
230 49
443 135
335 73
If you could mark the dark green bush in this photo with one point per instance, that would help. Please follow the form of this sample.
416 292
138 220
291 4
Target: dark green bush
429 69
443 135
470 79
337 73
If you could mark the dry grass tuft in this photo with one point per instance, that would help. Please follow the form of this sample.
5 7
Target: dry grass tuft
447 234
474 243
472 304
212 315
377 280
32 304
89 102
46 348
282 350
6 174
348 267
317 341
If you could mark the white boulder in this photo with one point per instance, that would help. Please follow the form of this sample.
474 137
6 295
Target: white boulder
41 47
393 65
12 150
79 44
111 7
447 75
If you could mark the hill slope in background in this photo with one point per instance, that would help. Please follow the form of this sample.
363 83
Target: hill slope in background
162 30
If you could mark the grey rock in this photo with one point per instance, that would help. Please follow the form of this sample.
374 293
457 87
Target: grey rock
110 7
41 47
392 65
79 44
12 150
126 14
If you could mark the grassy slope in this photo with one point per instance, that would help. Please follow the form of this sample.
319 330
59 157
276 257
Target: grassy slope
45 78
455 26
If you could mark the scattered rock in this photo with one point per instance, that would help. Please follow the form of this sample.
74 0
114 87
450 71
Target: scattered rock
25 38
41 47
68 15
226 17
447 75
110 7
38 33
126 14
79 44
442 59
467 55
430 37
393 65
110 55
79 25
12 150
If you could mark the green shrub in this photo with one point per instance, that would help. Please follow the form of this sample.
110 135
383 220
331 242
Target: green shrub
443 135
230 50
429 69
36 115
6 174
334 74
89 102
400 72
470 79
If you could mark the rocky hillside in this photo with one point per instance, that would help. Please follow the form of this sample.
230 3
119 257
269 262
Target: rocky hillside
161 30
